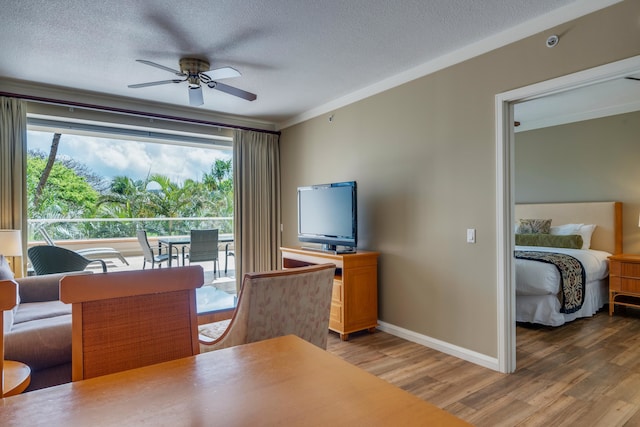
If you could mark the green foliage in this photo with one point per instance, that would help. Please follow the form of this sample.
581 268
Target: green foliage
66 192
76 192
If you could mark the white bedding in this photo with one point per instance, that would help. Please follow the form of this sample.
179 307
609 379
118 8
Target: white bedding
538 285
539 278
545 309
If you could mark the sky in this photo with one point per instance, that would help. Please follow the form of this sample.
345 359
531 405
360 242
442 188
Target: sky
113 157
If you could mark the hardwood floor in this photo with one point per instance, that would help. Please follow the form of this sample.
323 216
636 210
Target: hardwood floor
585 373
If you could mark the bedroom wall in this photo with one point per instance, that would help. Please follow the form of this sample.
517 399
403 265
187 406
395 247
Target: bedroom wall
423 155
593 160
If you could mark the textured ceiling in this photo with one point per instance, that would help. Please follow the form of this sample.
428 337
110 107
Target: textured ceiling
296 55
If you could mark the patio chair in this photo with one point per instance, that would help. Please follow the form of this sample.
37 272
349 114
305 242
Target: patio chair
91 253
275 303
148 254
203 247
128 319
55 259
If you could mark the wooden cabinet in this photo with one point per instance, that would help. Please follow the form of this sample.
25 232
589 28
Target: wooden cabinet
354 304
624 281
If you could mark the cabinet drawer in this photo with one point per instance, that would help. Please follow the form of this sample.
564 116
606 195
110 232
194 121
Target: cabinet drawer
335 315
336 294
629 285
615 268
614 283
630 269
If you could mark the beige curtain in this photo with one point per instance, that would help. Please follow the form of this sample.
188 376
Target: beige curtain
256 176
13 167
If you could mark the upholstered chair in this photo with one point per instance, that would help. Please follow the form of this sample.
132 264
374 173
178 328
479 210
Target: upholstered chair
275 303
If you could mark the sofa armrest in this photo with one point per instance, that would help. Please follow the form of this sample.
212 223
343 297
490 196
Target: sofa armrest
42 288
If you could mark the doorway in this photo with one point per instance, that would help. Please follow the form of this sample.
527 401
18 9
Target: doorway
505 187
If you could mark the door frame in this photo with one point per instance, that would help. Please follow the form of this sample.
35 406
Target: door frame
505 168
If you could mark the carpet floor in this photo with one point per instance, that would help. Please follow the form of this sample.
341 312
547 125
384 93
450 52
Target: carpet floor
214 330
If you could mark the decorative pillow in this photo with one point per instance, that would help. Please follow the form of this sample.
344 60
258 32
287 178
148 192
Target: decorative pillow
533 226
7 274
571 241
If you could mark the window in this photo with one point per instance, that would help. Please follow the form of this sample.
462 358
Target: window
109 179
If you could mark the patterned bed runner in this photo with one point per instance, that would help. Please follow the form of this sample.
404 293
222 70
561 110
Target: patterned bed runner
572 276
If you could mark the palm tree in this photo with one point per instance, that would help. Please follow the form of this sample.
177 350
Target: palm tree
53 152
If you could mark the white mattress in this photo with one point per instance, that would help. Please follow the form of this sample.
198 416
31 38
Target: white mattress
539 278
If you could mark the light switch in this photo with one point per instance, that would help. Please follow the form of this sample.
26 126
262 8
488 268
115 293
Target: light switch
471 235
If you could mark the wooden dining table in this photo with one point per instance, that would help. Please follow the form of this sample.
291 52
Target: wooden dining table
283 381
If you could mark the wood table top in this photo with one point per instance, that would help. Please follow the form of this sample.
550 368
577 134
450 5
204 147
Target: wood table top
16 377
281 381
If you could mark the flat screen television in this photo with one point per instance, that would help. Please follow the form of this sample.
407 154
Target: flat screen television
328 214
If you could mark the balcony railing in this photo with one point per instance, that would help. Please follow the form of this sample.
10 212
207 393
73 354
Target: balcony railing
91 229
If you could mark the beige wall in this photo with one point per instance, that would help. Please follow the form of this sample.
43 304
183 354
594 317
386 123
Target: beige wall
594 160
424 157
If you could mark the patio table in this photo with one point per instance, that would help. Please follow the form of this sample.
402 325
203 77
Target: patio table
171 241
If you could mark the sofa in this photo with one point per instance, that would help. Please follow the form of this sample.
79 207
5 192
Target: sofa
37 332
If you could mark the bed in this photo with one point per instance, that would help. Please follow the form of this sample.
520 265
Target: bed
539 294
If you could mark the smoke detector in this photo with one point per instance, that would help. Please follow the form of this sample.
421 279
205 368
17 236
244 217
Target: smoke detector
553 41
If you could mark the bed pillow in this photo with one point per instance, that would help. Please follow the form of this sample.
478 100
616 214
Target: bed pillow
585 230
571 241
565 229
533 226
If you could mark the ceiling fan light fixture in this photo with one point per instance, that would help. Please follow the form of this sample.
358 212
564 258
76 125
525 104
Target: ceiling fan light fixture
193 71
195 96
193 66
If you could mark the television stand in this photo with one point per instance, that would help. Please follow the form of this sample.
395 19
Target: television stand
330 249
354 301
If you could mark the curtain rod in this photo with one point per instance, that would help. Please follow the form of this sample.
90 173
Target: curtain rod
133 112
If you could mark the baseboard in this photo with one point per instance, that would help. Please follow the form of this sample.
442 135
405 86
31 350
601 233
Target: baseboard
444 347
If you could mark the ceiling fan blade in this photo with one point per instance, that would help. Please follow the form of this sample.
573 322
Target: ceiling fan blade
162 67
161 82
222 73
195 96
233 91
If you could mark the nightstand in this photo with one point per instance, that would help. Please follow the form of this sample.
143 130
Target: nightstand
624 281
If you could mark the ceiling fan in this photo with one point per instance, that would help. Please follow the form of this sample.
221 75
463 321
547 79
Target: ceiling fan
196 72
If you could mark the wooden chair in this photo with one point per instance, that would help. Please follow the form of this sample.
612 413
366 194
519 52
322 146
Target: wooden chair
275 303
14 376
125 320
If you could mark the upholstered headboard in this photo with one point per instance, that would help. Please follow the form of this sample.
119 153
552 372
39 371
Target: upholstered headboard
606 215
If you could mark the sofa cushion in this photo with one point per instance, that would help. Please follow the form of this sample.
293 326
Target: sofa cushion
30 311
40 343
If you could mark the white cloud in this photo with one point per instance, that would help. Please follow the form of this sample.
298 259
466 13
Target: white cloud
111 157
